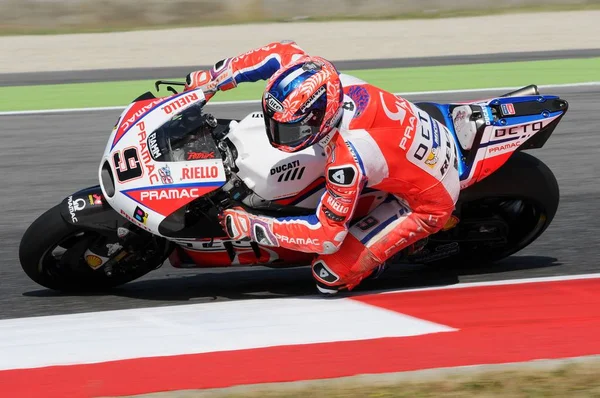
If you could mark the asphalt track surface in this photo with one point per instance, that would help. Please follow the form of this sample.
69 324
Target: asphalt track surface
47 157
105 75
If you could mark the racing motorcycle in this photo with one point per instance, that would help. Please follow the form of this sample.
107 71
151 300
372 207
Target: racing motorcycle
169 169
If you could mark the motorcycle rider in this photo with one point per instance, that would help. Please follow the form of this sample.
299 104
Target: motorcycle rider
372 138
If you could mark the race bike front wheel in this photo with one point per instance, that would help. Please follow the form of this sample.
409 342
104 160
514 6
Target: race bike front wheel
52 253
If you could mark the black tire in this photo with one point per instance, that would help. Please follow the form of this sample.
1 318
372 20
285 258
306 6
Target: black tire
524 180
522 175
50 230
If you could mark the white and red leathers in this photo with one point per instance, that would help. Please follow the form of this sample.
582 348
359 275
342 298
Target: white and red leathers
383 142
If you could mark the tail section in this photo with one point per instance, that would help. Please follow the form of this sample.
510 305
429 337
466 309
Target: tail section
490 131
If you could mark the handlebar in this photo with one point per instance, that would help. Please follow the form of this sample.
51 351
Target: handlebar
168 83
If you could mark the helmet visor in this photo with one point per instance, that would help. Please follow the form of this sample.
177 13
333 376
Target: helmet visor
295 133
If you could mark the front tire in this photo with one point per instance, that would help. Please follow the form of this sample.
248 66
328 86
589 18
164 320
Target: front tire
51 253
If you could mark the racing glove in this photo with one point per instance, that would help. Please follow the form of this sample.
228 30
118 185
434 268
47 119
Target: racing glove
239 225
219 77
201 79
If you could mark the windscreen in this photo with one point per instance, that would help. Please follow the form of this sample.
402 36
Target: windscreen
184 137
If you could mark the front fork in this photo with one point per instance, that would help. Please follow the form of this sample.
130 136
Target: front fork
87 209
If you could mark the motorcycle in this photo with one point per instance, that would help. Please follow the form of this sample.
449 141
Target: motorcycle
169 169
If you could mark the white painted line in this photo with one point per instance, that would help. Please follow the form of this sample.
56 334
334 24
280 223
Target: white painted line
497 283
233 103
64 110
197 328
106 108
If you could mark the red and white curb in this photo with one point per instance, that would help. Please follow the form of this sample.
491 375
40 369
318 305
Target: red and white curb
197 328
214 345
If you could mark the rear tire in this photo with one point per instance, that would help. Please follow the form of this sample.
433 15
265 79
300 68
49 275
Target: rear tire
70 272
525 196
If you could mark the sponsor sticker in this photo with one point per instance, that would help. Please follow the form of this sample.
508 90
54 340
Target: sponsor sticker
166 199
199 173
521 129
342 175
153 145
273 103
325 273
134 221
140 215
175 193
313 98
145 153
502 147
508 109
180 103
284 167
297 240
200 155
95 199
289 171
312 66
165 175
337 206
331 215
134 114
451 223
93 261
75 206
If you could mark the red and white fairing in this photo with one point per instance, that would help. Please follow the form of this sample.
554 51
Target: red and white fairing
146 190
271 173
286 178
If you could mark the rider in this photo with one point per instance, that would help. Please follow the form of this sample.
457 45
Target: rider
372 139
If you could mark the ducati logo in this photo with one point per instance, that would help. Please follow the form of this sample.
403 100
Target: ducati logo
323 273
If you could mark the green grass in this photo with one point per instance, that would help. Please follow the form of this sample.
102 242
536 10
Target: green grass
568 380
83 95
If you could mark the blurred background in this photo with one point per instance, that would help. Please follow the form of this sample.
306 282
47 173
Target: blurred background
69 67
27 16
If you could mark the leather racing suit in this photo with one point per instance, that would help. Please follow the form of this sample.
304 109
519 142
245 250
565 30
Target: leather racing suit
384 143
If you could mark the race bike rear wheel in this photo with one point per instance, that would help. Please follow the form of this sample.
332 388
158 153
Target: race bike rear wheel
52 252
498 216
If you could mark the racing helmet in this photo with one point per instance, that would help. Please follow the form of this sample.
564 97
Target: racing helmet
302 104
